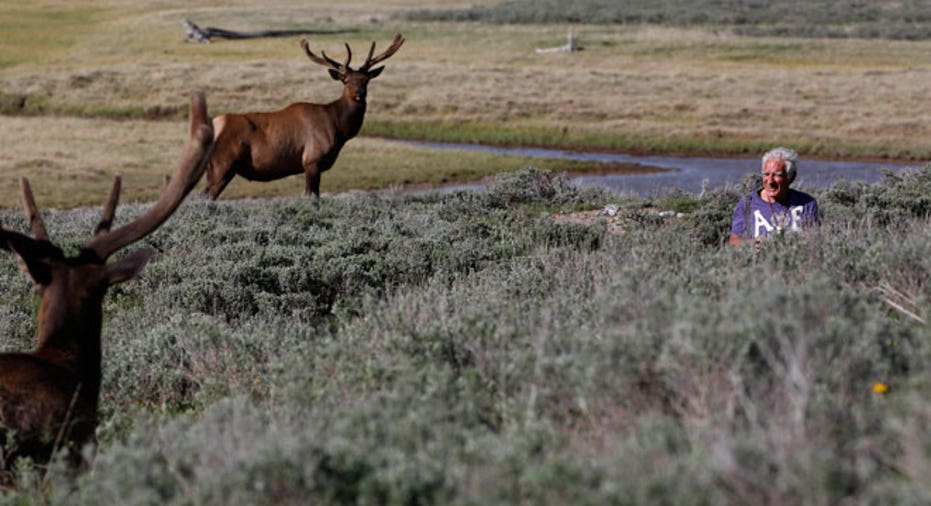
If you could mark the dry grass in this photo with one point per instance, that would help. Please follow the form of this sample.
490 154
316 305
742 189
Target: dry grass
659 88
73 160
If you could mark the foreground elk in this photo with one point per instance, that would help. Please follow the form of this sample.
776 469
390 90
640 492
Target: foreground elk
302 137
48 397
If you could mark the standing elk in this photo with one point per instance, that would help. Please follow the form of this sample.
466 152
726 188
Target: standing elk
49 397
303 137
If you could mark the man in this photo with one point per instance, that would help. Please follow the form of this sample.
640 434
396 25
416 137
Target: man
775 207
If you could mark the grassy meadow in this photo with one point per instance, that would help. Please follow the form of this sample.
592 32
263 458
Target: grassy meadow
389 347
124 68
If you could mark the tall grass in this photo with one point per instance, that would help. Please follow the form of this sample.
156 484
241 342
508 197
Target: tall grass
887 19
60 23
636 87
469 348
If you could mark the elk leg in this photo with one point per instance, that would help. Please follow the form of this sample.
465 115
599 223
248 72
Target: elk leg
219 174
223 166
312 182
216 187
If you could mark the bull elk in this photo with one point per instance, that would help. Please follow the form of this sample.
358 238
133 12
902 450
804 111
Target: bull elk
49 397
303 137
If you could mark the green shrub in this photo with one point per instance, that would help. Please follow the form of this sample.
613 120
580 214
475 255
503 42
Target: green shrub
820 18
469 348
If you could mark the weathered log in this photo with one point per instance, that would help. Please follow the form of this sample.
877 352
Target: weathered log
194 33
570 45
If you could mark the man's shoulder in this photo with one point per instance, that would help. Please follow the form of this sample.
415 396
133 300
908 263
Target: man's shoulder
800 198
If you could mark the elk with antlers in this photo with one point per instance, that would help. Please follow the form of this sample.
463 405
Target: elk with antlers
302 137
49 397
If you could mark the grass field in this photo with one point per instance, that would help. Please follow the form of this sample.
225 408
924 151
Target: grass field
481 347
634 87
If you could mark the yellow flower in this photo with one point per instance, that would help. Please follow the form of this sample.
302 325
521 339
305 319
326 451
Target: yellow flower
880 388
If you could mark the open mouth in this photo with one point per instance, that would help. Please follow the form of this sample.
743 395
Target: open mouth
772 188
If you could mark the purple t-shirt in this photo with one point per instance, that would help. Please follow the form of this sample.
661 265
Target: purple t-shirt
765 217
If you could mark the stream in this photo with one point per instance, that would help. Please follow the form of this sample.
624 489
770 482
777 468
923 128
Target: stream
690 174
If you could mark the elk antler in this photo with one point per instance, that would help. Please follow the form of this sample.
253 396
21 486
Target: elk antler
190 169
348 56
30 250
326 61
109 208
32 212
369 61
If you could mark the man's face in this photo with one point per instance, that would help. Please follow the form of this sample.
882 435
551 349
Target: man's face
775 179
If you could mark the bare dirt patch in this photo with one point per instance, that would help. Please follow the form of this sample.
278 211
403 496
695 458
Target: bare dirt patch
615 222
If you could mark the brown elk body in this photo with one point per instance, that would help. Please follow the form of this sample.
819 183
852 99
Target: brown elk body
303 137
49 397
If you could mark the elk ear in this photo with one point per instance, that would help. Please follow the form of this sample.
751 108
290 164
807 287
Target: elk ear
129 266
335 74
38 270
375 72
32 255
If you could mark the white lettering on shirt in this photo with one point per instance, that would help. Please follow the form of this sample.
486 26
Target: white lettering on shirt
796 213
760 223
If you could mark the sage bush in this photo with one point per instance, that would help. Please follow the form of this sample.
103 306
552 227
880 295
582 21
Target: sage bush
475 347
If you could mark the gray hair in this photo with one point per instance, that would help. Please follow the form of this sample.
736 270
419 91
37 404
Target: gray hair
786 155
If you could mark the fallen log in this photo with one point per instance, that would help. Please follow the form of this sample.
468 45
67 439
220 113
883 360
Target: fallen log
194 33
570 45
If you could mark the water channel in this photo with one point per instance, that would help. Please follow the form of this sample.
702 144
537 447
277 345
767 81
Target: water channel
690 174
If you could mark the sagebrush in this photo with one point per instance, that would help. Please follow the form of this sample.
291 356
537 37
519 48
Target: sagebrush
470 348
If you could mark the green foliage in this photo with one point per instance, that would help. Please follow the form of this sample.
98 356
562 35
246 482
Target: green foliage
893 203
471 348
821 18
679 202
26 30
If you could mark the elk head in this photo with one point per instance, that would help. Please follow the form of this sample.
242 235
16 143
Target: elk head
55 389
356 81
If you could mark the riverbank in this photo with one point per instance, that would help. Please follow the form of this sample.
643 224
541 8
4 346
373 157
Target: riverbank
639 144
654 174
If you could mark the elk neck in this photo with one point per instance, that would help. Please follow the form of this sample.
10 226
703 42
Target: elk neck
68 336
349 115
